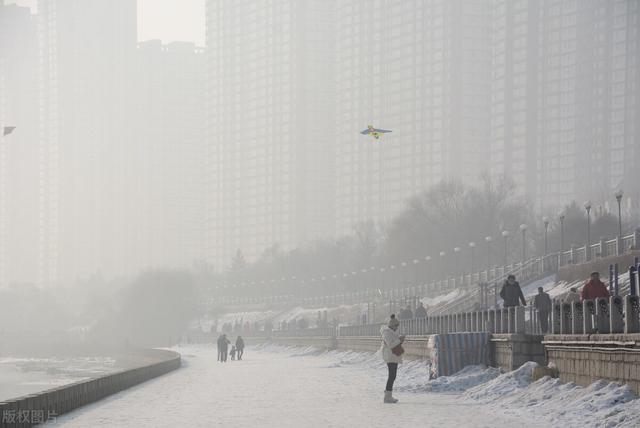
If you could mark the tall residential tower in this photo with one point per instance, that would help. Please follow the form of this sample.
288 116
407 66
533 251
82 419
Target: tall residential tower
270 124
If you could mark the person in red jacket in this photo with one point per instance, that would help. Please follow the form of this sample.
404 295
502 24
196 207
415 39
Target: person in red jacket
594 288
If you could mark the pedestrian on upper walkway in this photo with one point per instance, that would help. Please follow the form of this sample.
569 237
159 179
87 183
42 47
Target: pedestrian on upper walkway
511 293
542 303
391 350
594 288
406 313
421 312
572 296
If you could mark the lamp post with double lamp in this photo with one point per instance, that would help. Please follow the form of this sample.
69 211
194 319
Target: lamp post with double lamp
444 268
618 196
523 229
456 251
505 235
587 207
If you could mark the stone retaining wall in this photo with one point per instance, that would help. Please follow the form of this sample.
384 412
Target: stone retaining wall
36 408
583 359
510 351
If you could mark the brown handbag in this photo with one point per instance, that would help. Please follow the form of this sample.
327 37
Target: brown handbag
398 350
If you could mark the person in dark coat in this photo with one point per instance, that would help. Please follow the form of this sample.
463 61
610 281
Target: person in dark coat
594 288
421 312
542 303
240 347
406 313
223 346
511 293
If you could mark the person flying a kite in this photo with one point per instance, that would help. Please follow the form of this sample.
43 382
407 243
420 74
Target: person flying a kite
374 132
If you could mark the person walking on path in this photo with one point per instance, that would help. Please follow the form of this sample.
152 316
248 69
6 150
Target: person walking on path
391 350
240 346
594 288
542 303
219 346
511 293
223 346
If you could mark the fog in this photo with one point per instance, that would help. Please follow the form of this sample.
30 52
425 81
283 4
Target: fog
169 156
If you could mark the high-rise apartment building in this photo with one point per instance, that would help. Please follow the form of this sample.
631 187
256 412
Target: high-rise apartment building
87 50
170 154
421 69
19 210
270 103
565 98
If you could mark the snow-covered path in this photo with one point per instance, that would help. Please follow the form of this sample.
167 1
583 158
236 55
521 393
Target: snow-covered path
272 388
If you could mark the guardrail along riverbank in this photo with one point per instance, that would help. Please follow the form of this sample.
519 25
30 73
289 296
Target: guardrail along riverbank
45 406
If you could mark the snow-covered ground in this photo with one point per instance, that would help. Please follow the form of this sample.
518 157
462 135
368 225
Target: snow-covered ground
295 387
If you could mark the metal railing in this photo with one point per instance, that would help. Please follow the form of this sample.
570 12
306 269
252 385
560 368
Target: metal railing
531 270
508 320
615 314
306 332
538 265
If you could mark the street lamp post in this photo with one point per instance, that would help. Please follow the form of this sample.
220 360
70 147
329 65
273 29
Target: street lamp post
561 233
587 207
427 270
472 246
505 235
442 256
618 196
545 220
456 250
523 229
488 240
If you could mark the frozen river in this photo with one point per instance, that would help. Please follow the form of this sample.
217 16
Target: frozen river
278 388
21 376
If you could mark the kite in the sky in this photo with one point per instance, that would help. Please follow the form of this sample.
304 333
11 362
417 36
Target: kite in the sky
374 132
8 130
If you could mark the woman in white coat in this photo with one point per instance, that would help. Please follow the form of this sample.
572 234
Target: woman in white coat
391 351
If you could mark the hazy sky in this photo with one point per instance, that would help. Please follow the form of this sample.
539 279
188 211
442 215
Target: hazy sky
167 20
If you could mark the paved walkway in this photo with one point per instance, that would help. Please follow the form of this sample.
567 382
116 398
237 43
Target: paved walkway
274 390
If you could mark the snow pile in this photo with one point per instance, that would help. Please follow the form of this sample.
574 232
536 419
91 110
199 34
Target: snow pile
503 384
602 404
465 379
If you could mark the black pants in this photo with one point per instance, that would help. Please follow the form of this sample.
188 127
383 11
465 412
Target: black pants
544 321
393 370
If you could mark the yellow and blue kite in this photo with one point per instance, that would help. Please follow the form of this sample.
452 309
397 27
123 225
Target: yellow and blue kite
374 132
